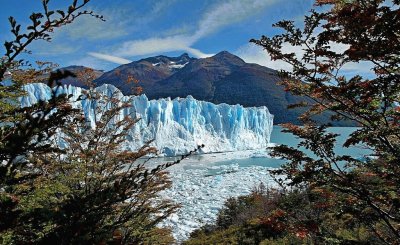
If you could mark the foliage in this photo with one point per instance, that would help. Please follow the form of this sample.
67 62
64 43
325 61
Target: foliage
328 198
24 131
63 179
348 32
43 24
272 217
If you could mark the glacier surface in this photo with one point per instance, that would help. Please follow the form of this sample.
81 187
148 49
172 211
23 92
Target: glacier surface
176 126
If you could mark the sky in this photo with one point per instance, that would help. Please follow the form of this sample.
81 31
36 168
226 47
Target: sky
135 29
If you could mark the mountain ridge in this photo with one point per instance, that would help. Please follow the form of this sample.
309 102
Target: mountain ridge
222 78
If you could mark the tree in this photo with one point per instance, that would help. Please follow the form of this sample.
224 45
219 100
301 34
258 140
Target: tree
94 190
87 189
25 130
367 31
271 216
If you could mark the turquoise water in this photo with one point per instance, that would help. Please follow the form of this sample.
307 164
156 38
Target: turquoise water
232 162
278 137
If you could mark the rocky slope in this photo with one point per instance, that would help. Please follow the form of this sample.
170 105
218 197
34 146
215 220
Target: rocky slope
223 78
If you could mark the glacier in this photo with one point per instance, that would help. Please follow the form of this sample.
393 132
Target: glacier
178 125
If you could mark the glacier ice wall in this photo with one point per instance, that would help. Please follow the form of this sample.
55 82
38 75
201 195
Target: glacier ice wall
179 125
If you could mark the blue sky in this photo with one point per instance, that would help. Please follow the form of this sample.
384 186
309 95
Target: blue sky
141 28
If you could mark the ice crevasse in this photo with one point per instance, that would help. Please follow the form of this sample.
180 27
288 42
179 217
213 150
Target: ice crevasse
176 126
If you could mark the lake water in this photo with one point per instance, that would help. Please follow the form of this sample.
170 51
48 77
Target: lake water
262 159
202 183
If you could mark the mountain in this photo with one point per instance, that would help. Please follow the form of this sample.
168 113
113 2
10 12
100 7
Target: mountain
222 78
76 81
176 126
148 71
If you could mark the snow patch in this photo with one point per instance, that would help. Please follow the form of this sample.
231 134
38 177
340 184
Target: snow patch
177 66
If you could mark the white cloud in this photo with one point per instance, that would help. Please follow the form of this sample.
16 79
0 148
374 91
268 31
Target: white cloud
88 27
227 13
154 45
215 18
159 45
53 48
197 52
91 62
121 19
110 58
351 68
362 67
252 53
